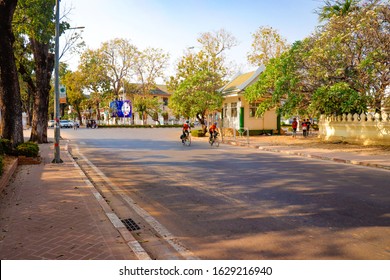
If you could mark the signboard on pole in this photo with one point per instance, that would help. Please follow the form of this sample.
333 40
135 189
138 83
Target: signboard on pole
121 109
62 94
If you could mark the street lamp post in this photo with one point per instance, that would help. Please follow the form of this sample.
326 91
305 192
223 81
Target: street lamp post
57 157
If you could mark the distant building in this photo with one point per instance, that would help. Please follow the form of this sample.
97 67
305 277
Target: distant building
163 95
237 113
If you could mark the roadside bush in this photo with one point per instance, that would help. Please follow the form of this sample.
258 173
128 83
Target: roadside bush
260 132
198 133
315 126
28 149
139 126
5 147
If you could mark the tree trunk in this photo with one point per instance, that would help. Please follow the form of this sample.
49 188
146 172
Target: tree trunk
11 125
79 115
97 110
201 118
26 77
44 65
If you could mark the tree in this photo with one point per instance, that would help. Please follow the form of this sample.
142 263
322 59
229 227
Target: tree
336 8
34 24
147 105
342 68
355 49
11 126
94 79
25 66
149 65
118 57
200 75
267 44
338 99
75 83
285 83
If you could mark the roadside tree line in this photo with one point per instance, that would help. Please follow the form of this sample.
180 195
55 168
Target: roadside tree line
117 68
343 67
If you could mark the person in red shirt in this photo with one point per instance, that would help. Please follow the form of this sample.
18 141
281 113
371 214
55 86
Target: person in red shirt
213 130
304 128
294 126
186 130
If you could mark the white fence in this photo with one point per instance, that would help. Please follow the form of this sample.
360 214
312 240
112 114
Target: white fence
367 129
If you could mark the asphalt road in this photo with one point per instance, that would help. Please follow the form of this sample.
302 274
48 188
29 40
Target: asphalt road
240 203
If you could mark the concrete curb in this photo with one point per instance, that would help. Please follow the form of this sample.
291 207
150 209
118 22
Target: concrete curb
128 238
339 160
8 173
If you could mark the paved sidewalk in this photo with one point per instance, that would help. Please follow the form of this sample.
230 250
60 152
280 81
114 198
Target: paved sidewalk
350 157
48 211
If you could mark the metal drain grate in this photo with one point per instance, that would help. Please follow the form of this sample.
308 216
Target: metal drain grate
130 224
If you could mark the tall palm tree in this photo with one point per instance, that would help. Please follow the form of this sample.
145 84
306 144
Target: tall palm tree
336 8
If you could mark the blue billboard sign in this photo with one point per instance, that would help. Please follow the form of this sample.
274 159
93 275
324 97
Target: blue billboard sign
121 108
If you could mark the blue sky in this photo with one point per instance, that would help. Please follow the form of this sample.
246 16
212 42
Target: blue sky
175 25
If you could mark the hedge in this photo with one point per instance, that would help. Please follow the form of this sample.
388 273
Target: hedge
5 147
198 133
138 126
28 149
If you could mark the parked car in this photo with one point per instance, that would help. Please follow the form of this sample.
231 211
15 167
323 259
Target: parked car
50 123
66 124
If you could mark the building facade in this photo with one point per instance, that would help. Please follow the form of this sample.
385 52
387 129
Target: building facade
238 113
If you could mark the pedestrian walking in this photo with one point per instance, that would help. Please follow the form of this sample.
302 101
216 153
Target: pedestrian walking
308 124
75 125
304 128
294 126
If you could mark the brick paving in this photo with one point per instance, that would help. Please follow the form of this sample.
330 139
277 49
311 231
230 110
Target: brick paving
48 212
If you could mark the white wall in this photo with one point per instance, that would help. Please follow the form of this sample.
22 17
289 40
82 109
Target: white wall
367 129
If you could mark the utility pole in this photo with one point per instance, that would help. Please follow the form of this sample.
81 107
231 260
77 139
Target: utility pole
57 158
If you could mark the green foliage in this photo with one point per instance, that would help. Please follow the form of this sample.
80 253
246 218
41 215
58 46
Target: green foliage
147 105
337 99
314 126
281 85
354 47
342 68
198 133
28 149
139 126
5 147
36 19
196 95
199 77
336 8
